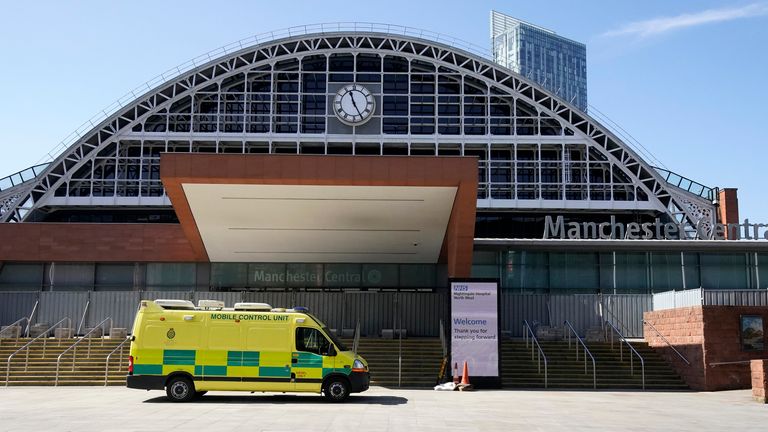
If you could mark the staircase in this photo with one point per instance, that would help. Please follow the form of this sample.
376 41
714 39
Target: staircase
520 371
41 369
420 361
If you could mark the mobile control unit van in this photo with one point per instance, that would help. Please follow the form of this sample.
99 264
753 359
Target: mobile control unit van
190 350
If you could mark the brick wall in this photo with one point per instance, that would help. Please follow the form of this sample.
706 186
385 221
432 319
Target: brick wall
759 370
684 329
706 336
85 242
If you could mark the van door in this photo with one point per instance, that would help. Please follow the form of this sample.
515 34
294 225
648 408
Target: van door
310 358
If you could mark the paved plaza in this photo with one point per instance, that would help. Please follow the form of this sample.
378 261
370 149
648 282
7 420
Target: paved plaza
85 409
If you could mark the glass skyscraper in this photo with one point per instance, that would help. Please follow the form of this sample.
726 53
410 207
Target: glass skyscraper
557 63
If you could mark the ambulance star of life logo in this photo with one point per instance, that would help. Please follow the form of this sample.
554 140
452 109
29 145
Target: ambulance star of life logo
171 334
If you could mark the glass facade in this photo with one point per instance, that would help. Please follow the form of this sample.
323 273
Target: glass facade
523 271
556 63
620 272
523 153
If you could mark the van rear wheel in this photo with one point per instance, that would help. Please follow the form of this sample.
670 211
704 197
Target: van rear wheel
336 390
180 389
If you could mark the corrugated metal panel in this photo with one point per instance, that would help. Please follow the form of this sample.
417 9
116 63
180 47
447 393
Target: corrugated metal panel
171 295
14 305
121 306
625 311
581 310
688 298
374 311
421 312
677 299
664 300
517 307
327 306
56 305
736 298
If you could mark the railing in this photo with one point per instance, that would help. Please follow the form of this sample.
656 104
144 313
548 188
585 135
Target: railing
617 320
527 330
82 318
356 339
109 356
26 346
623 340
580 341
18 322
31 316
443 339
22 176
74 346
667 342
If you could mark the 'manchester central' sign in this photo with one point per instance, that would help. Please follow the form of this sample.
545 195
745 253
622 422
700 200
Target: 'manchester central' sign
657 229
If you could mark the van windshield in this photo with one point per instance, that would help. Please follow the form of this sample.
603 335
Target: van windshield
336 341
339 344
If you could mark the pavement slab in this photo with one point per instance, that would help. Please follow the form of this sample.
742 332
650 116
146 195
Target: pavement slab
90 409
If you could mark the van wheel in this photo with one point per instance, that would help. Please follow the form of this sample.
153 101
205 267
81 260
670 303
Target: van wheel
336 390
180 389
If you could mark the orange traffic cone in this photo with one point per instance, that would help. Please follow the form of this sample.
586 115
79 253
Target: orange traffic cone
455 373
465 375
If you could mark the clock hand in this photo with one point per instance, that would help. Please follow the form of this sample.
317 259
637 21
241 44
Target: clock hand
354 104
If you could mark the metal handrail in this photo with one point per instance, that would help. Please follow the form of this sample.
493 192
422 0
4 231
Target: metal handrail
26 347
623 325
82 319
443 339
109 356
17 322
586 352
667 342
77 342
527 330
631 348
31 315
356 339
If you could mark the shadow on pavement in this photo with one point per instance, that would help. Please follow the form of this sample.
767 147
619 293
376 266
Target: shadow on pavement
285 399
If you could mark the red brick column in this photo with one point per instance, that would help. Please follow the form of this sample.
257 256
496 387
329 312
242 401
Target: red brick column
728 211
760 380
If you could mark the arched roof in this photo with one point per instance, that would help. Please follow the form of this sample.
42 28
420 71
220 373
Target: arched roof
677 204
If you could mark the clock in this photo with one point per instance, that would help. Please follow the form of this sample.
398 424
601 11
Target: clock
353 104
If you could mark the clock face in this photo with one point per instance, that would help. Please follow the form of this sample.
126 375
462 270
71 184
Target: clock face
353 104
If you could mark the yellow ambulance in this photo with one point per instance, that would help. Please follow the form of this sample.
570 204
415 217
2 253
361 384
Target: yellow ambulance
190 350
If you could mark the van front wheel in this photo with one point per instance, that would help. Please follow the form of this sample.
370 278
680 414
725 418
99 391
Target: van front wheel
180 389
336 389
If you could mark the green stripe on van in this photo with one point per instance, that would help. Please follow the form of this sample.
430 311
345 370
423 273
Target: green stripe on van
279 372
242 358
147 369
179 357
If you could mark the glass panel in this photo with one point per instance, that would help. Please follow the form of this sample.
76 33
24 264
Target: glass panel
723 271
171 275
574 271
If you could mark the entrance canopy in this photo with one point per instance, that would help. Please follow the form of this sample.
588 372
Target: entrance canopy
310 209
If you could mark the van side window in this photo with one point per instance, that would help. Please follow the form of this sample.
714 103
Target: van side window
311 340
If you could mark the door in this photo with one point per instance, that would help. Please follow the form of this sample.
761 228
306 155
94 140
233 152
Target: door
310 359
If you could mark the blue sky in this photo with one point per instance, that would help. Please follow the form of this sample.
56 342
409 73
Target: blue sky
688 79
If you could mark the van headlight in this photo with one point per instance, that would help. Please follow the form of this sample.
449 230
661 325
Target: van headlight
358 366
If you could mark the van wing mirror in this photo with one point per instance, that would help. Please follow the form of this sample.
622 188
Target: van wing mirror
331 351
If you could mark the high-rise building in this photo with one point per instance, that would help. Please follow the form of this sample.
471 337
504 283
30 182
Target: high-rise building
557 63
